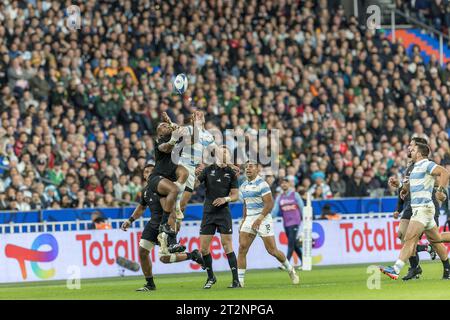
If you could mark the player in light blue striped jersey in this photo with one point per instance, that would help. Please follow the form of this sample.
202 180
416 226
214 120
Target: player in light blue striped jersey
257 220
196 142
422 179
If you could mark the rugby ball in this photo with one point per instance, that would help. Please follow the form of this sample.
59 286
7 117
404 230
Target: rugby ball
181 83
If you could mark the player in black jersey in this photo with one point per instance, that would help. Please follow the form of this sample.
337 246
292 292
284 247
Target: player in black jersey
149 236
167 178
221 188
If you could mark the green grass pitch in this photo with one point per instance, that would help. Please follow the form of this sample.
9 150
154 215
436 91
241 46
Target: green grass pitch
331 282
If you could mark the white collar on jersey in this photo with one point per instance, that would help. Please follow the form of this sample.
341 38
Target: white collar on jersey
254 180
420 161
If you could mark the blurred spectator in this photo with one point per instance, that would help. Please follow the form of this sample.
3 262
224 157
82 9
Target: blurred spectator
319 190
327 214
99 222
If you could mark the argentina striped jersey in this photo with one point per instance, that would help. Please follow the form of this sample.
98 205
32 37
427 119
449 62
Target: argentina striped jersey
251 192
192 155
421 183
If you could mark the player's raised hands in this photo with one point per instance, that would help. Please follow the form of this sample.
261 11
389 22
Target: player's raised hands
165 118
179 132
403 194
394 182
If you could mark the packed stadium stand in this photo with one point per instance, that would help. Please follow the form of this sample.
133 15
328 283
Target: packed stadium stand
79 109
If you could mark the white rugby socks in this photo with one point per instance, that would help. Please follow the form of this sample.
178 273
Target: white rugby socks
181 188
287 265
399 264
241 276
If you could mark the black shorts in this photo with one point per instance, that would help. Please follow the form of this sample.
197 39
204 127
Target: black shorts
150 233
153 182
407 214
218 220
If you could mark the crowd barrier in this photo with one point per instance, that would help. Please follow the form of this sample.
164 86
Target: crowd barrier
194 211
35 256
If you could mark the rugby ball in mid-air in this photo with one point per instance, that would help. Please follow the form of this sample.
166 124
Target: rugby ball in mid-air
181 83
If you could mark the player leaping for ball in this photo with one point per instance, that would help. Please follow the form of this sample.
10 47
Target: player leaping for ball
149 238
192 154
257 220
420 186
167 179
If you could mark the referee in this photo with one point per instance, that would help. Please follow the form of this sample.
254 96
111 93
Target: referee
221 187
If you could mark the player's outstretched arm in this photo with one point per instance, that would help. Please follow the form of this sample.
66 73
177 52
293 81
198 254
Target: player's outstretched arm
165 118
167 147
137 213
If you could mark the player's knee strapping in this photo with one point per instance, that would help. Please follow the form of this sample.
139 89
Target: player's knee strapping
171 256
147 245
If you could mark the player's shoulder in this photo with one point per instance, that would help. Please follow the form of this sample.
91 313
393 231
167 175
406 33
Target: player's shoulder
229 169
260 182
243 184
208 169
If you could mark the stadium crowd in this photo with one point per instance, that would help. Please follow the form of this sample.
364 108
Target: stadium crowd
435 13
79 108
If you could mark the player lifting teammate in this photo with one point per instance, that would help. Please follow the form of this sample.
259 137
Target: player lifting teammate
149 237
167 178
195 142
221 188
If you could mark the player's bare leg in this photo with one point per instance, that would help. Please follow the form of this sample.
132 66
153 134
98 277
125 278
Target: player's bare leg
402 227
435 239
168 241
414 231
185 199
414 271
182 176
445 237
168 189
179 257
245 241
146 266
271 247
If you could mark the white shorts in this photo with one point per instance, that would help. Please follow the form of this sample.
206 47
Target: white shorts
265 229
190 183
424 215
